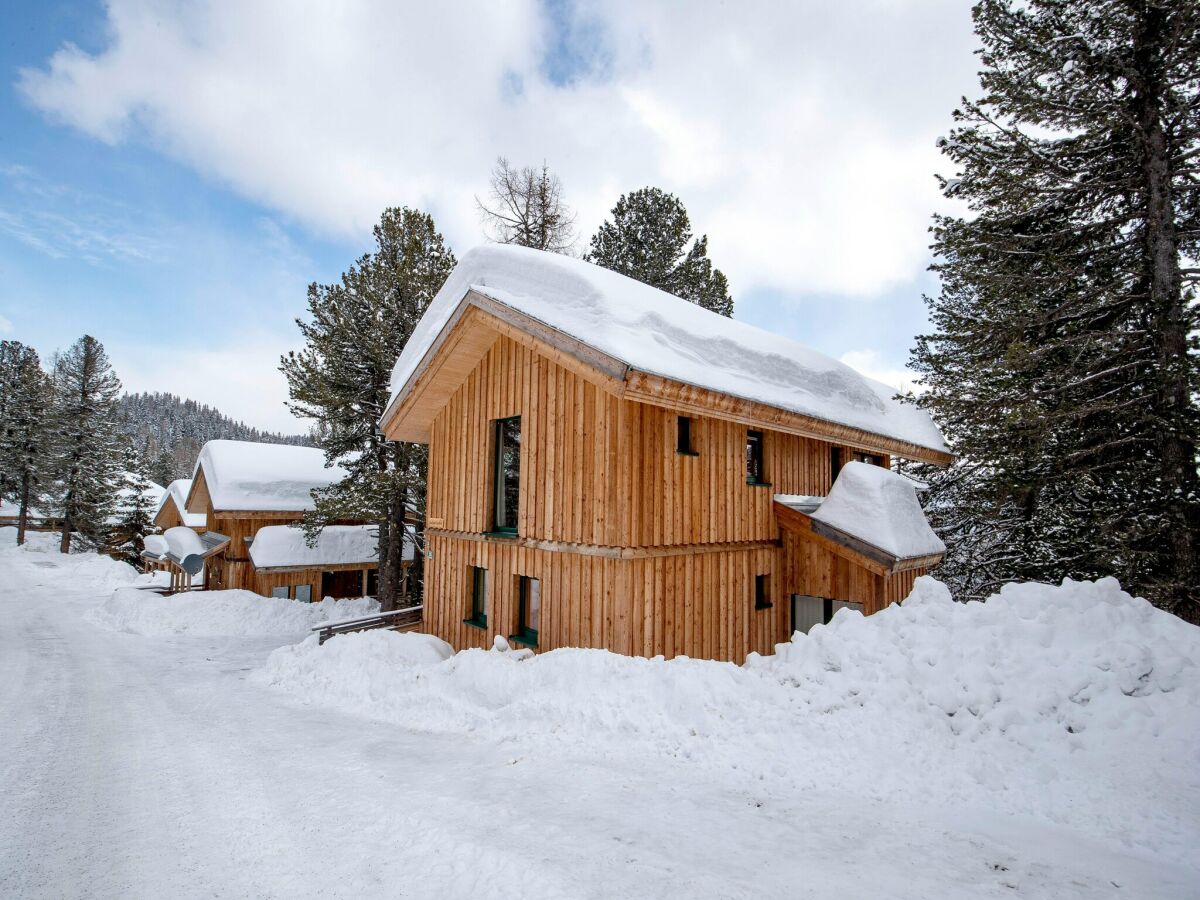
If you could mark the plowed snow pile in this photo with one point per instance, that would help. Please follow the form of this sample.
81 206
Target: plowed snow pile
1075 704
221 613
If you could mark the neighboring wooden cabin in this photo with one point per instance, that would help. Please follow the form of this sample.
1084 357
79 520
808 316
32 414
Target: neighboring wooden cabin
244 489
604 460
172 508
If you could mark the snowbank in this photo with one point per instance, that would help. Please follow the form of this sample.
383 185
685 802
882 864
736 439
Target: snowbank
656 332
878 506
282 545
221 613
78 567
244 475
1075 704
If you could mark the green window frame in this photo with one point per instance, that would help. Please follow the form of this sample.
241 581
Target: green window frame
478 598
683 436
762 592
506 475
529 610
754 459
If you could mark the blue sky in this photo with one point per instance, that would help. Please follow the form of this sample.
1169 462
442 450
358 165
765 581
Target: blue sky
182 231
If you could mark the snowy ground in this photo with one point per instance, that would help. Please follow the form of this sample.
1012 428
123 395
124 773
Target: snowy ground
141 758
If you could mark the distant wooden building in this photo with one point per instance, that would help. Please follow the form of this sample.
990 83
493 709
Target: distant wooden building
604 463
172 508
247 494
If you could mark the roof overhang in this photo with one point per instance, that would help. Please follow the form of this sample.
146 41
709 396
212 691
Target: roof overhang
322 567
838 542
479 321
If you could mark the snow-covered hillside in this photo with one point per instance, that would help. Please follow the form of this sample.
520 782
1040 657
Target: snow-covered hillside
1039 745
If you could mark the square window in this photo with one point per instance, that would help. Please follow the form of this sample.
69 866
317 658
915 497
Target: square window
304 593
281 592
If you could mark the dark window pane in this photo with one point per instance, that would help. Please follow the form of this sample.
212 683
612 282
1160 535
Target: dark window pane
508 473
683 439
754 456
479 591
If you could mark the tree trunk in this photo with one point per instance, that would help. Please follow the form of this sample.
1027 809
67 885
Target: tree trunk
1177 462
23 515
64 545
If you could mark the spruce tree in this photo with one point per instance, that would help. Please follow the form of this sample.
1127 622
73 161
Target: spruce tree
647 239
86 447
1063 364
25 430
135 509
342 380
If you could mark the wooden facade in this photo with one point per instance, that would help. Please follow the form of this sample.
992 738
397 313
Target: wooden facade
637 547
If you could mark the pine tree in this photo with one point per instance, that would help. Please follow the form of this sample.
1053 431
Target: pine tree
526 207
24 428
1062 363
647 239
342 380
135 511
86 451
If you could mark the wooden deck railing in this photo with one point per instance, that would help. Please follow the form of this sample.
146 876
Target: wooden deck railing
397 618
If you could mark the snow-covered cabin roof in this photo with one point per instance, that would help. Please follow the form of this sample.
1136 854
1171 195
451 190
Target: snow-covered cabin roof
248 476
155 545
177 493
876 506
281 546
657 333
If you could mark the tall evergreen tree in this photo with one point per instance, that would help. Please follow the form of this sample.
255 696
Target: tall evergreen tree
86 451
1063 361
135 508
647 239
526 207
25 431
342 380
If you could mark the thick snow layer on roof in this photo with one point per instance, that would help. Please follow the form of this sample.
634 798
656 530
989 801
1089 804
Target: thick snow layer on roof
176 493
881 508
155 544
243 475
282 545
183 542
655 332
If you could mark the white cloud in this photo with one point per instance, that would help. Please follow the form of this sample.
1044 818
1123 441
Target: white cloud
873 365
800 136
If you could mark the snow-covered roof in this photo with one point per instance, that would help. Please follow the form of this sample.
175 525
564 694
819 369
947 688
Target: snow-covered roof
156 545
177 492
880 508
183 542
657 333
281 546
244 475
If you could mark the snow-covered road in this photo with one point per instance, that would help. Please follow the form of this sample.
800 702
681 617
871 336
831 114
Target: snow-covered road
152 767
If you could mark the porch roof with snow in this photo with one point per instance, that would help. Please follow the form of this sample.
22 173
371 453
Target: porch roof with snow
281 547
248 477
872 516
643 344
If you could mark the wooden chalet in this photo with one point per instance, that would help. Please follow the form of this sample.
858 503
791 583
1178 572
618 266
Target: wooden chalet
604 463
248 493
172 508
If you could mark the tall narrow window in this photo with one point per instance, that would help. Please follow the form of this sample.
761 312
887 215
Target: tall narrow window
762 592
529 602
835 463
683 436
479 597
507 475
754 458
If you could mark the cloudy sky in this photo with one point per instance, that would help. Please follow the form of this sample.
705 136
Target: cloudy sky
173 175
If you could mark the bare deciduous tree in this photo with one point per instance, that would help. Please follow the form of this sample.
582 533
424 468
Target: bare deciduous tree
526 207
